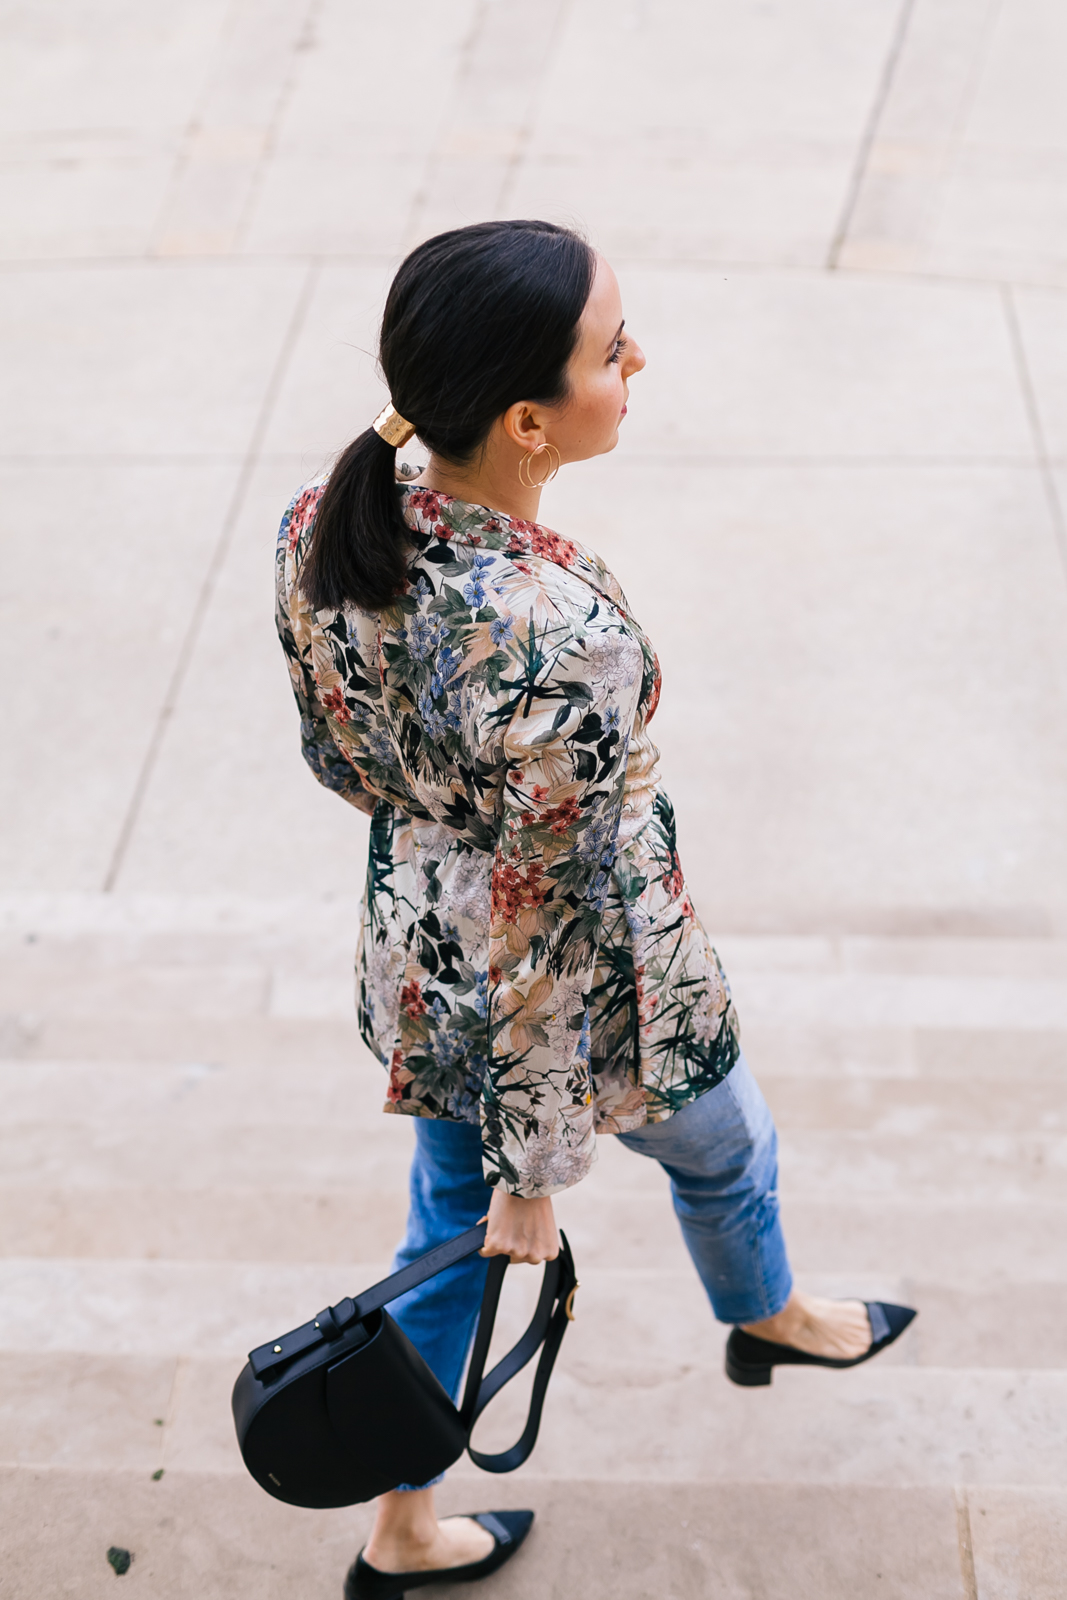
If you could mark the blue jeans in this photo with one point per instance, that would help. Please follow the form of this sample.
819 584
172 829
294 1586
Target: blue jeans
721 1155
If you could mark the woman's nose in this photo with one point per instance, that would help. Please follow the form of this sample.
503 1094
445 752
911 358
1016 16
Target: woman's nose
636 361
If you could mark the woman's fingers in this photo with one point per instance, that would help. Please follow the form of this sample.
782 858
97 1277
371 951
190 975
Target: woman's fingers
523 1230
521 1255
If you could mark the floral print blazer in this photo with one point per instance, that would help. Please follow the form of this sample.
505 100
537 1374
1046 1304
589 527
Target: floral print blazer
530 958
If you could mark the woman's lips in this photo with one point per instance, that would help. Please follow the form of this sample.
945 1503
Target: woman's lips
622 413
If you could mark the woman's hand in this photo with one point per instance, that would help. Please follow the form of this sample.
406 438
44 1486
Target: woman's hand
525 1230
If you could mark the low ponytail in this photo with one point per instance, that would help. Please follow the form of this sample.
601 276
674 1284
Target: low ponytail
359 548
475 320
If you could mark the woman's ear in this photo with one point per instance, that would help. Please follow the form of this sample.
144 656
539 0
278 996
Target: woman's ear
523 424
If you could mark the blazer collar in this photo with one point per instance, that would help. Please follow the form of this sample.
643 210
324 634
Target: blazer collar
441 516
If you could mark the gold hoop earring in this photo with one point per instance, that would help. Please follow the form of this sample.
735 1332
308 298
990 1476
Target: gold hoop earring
525 477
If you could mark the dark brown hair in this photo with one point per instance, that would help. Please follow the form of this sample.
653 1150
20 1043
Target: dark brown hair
476 319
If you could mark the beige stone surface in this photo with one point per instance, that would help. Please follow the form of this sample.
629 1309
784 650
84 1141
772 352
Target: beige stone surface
839 507
1020 1542
95 99
215 1536
1044 341
237 842
113 359
962 175
84 1411
898 674
346 171
157 521
738 142
809 365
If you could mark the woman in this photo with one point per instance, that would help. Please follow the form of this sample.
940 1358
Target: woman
532 972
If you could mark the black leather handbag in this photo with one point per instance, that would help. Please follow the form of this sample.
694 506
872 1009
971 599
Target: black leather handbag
344 1408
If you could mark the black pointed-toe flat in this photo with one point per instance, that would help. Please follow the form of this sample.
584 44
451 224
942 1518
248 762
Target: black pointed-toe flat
750 1361
509 1529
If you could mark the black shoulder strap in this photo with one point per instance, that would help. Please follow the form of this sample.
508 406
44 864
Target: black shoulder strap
409 1277
546 1330
331 1322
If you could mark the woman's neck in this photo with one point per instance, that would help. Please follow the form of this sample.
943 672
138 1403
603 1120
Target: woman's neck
494 484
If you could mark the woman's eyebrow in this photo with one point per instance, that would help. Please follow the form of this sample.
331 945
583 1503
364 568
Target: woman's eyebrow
615 336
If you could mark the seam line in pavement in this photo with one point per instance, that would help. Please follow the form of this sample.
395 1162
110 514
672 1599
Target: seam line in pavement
305 41
870 132
518 154
184 148
411 234
214 567
963 1533
1029 394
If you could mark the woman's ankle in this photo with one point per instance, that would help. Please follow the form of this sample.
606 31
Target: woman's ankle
401 1543
405 1528
783 1327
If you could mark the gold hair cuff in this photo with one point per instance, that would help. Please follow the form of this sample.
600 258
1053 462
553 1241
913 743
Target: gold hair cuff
392 427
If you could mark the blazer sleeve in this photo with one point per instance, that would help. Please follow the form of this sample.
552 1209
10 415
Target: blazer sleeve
565 745
317 744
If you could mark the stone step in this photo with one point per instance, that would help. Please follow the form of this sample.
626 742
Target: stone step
194 1160
962 1242
987 1167
261 924
952 1055
887 1424
213 1307
180 1039
970 1248
88 955
72 983
214 1224
917 1106
292 1091
208 1307
218 1537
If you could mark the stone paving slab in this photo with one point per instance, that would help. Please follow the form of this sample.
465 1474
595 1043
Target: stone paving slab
812 366
193 929
1019 1538
276 1223
894 1425
635 1318
313 196
955 1167
961 1242
221 1537
759 118
48 980
237 839
998 214
93 123
822 639
215 181
86 1411
964 1245
112 360
949 1095
202 1096
1041 322
159 521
